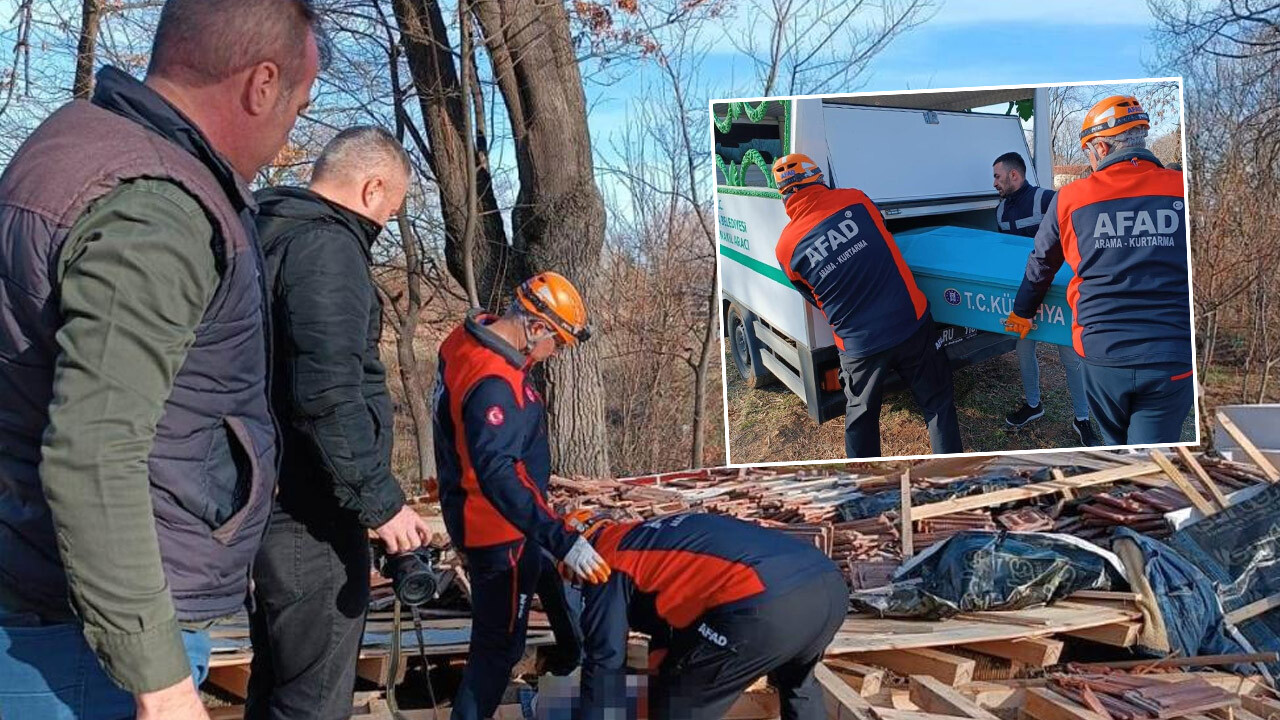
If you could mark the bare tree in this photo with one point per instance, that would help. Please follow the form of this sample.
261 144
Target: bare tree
817 46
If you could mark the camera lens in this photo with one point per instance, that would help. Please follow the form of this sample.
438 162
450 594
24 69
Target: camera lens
412 577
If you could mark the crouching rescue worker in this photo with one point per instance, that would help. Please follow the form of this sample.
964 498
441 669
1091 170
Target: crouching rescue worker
494 463
1123 231
724 603
837 252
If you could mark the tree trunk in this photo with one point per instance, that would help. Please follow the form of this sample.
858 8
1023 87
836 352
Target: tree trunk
415 390
440 96
558 219
86 48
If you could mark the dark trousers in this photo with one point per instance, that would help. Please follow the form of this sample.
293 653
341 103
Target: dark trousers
503 580
566 656
311 591
722 653
1139 405
923 366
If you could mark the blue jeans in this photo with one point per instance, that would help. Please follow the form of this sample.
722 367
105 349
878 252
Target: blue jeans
1071 364
48 672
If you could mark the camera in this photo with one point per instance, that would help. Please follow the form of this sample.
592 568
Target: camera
413 575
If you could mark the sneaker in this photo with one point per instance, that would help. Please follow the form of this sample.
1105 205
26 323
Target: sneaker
1024 415
1084 429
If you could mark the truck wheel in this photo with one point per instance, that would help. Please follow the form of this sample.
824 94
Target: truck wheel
742 344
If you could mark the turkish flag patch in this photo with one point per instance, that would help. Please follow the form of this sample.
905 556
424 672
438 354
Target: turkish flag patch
494 415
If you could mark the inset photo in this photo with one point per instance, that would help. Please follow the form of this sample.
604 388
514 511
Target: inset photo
968 270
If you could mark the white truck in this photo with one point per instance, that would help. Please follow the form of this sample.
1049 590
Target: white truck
925 160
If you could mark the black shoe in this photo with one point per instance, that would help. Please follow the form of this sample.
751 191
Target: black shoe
1024 415
1084 429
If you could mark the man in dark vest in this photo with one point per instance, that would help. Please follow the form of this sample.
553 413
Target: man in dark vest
1021 209
1123 231
311 580
837 252
137 445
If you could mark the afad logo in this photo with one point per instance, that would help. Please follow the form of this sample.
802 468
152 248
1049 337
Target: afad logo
952 296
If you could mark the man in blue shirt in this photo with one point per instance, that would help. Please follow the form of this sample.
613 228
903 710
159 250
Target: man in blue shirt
1022 207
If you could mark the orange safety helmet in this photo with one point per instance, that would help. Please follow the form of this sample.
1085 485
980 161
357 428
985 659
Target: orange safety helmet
794 171
551 298
1112 116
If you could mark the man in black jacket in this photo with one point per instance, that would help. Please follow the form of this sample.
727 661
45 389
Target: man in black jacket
329 393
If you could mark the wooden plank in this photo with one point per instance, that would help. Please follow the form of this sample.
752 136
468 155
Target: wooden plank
861 633
865 679
1026 492
841 698
932 696
1183 484
888 714
1193 661
760 705
994 696
231 678
907 538
1109 595
1123 634
377 668
946 667
1060 476
1249 448
1261 706
1035 652
1253 609
1045 704
1198 470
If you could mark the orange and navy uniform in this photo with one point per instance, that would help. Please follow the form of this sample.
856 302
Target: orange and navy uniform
670 571
492 454
1123 231
837 252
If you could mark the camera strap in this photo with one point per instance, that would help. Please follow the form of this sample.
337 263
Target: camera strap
393 670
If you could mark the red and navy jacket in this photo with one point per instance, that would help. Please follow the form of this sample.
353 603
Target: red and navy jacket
491 444
1123 230
670 571
837 252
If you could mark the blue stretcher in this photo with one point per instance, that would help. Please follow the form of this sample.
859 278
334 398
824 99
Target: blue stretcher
972 276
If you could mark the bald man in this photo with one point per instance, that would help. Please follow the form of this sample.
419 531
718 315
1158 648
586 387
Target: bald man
329 393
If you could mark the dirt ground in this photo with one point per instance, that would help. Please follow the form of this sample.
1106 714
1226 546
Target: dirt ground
771 424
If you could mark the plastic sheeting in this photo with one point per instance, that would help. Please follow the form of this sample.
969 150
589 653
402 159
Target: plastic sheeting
1189 609
981 570
1239 550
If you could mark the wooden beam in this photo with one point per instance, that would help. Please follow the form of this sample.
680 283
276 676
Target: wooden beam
1124 634
865 679
888 714
231 678
1026 492
847 703
1035 652
1262 706
1249 448
1060 476
907 536
752 706
1198 470
932 696
1045 704
1197 500
376 669
1253 609
946 667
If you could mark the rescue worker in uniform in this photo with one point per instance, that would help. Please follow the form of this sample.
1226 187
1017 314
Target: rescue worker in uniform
1022 207
724 603
837 252
494 464
1123 231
